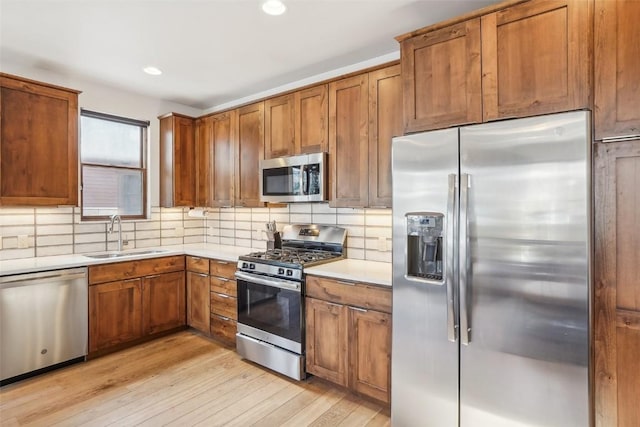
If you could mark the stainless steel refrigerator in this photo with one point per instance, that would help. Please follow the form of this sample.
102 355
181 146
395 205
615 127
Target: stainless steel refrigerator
491 274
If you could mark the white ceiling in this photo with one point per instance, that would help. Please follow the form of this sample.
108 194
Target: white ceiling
211 52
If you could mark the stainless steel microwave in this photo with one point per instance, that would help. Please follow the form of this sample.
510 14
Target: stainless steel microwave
294 179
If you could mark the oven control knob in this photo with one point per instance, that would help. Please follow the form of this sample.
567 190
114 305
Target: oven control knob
289 272
281 271
252 266
245 265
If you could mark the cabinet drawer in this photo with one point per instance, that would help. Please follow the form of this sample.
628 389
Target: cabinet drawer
349 293
222 268
197 264
224 286
130 269
224 305
223 328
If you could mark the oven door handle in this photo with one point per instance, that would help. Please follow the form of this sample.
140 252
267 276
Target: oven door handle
276 283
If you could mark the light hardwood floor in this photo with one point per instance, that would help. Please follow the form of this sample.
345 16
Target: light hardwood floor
180 380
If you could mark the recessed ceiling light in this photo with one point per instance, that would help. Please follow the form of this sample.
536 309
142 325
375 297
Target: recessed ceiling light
152 70
274 7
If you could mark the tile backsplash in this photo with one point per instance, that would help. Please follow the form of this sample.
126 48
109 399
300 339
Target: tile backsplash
35 232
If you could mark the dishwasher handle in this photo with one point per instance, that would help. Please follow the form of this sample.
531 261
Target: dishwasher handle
27 279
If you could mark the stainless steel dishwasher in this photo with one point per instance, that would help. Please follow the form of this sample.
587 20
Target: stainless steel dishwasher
43 321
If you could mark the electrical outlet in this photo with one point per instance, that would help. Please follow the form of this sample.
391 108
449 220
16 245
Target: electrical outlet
0 242
23 241
382 244
179 232
125 240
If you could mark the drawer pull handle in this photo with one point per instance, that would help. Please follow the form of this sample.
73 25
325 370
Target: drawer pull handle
195 258
201 274
362 310
226 319
343 282
331 304
222 262
222 295
222 279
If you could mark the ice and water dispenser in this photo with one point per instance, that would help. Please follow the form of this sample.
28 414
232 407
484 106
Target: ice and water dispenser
424 245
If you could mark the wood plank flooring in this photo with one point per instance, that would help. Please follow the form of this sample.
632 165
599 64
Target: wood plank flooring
181 380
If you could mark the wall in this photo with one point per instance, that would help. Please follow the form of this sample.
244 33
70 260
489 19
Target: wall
58 231
368 230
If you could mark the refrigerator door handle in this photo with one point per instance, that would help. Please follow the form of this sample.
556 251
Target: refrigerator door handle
452 325
465 261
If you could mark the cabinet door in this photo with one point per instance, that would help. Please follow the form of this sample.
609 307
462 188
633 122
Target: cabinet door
163 302
38 144
278 127
536 58
223 137
617 290
370 353
442 77
177 161
617 68
224 329
312 120
385 122
115 313
326 340
204 162
198 308
248 153
349 142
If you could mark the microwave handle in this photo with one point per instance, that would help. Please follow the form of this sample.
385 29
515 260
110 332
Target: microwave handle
305 180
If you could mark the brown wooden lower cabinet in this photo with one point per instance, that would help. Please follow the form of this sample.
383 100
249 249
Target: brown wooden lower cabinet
211 298
125 309
327 340
346 343
223 328
617 284
198 301
163 302
115 313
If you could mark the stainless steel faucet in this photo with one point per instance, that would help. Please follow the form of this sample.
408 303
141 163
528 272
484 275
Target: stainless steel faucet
113 219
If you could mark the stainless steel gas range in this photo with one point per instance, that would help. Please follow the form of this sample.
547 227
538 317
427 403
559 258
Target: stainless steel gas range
271 296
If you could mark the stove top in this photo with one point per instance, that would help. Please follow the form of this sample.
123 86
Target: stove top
302 246
295 256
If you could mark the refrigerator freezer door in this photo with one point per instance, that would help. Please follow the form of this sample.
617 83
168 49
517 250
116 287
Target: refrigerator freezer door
424 362
528 284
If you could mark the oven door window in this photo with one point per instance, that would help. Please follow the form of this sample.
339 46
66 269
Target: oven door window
283 181
271 309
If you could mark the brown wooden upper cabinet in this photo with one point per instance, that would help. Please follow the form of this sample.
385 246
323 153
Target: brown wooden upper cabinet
296 123
617 69
38 129
248 153
223 141
385 122
536 58
279 127
311 120
365 112
442 77
204 161
527 59
349 141
177 161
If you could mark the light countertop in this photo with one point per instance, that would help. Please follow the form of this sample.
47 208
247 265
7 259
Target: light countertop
378 273
349 269
205 250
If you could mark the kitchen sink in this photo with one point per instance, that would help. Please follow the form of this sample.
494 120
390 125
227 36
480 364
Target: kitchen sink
109 255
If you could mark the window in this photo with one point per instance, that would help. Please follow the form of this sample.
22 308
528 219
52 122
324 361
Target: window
113 153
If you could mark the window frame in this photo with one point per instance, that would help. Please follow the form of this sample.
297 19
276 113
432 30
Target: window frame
144 153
